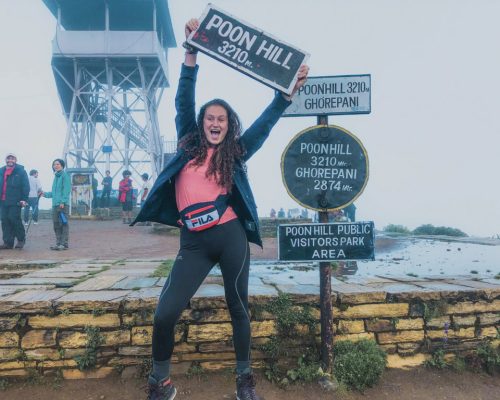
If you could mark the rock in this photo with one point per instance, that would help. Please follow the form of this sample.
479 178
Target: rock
328 384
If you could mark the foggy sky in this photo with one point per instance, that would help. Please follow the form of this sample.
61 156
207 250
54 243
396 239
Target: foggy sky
432 137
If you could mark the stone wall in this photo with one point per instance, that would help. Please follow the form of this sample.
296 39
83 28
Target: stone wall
49 335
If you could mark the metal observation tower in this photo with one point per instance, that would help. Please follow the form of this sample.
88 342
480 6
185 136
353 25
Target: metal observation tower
109 59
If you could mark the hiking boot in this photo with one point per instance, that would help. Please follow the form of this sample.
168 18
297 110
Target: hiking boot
245 387
19 245
6 246
163 390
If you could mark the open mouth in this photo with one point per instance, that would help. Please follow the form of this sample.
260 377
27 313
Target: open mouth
214 134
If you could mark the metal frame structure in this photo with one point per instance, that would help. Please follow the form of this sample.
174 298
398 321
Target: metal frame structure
121 117
110 82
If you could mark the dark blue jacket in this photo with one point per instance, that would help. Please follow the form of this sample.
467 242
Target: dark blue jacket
18 186
160 205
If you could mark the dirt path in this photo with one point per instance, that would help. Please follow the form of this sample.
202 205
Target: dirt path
114 240
108 240
417 384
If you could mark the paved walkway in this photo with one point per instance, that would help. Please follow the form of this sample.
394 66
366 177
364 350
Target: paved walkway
31 285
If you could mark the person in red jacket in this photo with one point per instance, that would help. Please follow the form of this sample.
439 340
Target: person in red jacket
126 196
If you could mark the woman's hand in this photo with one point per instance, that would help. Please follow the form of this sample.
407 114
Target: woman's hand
191 26
190 57
301 79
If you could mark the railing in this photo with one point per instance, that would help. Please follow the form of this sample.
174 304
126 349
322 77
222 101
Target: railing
128 126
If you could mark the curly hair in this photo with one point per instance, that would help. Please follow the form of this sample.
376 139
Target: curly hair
225 155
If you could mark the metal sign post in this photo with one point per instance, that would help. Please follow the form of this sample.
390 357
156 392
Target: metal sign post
325 168
325 294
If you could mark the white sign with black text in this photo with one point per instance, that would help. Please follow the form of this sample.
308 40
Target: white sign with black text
248 49
332 95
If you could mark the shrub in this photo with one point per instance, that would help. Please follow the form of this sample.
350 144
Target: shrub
437 360
306 371
88 359
397 229
358 364
287 341
489 356
429 229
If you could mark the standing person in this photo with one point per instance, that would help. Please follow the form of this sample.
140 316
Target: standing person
14 191
146 187
33 198
107 185
281 213
206 187
95 200
126 196
61 190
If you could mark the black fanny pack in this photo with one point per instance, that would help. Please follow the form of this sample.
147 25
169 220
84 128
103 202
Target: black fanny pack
201 216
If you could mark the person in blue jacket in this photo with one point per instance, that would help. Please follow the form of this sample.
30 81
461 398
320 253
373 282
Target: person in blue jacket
14 191
205 190
60 195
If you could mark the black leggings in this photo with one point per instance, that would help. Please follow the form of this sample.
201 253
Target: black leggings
200 251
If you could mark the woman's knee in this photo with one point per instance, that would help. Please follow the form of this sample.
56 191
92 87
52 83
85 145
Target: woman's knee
165 318
238 311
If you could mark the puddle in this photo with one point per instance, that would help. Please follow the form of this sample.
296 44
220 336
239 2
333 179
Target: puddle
400 257
426 257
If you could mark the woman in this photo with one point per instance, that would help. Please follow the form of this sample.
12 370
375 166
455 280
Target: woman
61 189
126 196
205 189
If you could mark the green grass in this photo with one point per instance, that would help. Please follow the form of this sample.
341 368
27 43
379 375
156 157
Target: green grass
163 270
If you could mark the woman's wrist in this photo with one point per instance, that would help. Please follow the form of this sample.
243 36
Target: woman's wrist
190 59
189 49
